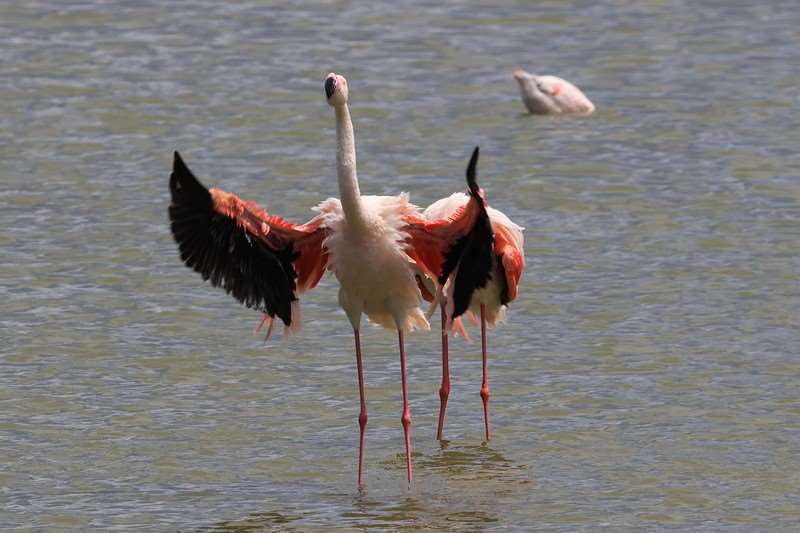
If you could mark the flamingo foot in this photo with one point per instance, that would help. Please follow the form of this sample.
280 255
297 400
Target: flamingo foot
444 393
485 393
485 397
405 419
444 390
362 417
270 322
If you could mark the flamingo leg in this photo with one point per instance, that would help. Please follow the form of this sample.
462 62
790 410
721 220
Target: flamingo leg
362 417
485 384
444 390
269 330
406 417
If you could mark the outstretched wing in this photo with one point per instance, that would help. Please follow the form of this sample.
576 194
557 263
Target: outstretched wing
258 258
456 250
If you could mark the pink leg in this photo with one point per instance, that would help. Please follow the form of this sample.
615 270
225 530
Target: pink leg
406 417
362 417
266 320
269 330
485 385
444 391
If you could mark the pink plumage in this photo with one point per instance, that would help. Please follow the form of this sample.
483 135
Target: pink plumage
385 253
551 95
488 300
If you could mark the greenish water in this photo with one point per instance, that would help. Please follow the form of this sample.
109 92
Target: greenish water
647 376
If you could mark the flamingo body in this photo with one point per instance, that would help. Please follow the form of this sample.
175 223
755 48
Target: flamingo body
376 275
507 258
551 95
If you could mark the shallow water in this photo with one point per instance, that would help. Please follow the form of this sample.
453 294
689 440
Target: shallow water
647 376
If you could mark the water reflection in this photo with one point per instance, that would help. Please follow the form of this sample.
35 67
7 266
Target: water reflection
255 522
363 513
443 497
473 462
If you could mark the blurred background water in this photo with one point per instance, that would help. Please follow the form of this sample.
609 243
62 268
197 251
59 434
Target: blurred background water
647 376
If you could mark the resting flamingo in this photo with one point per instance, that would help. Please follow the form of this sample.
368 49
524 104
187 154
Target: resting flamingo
382 250
550 95
489 297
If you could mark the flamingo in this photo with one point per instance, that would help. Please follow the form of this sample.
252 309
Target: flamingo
550 95
488 295
382 249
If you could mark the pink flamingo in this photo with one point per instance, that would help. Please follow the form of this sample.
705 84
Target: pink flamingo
382 250
550 95
488 293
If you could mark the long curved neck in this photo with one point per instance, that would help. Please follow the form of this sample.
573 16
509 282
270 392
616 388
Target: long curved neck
346 165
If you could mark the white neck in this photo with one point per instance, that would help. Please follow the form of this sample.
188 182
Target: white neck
346 165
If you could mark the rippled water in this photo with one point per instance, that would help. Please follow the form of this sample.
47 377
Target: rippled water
647 378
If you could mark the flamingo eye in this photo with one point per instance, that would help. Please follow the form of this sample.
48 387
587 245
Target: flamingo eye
541 87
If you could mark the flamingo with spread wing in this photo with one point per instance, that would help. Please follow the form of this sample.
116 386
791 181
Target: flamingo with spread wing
382 249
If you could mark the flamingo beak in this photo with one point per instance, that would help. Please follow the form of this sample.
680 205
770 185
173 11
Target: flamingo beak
330 85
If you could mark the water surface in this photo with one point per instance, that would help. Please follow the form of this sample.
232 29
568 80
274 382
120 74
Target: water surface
647 377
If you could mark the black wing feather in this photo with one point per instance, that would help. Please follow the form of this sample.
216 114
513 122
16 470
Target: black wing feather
504 299
226 254
472 254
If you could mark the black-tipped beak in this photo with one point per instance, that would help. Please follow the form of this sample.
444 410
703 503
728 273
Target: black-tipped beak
330 86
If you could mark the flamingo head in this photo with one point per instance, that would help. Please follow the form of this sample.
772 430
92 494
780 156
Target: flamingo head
520 75
542 94
336 89
539 87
